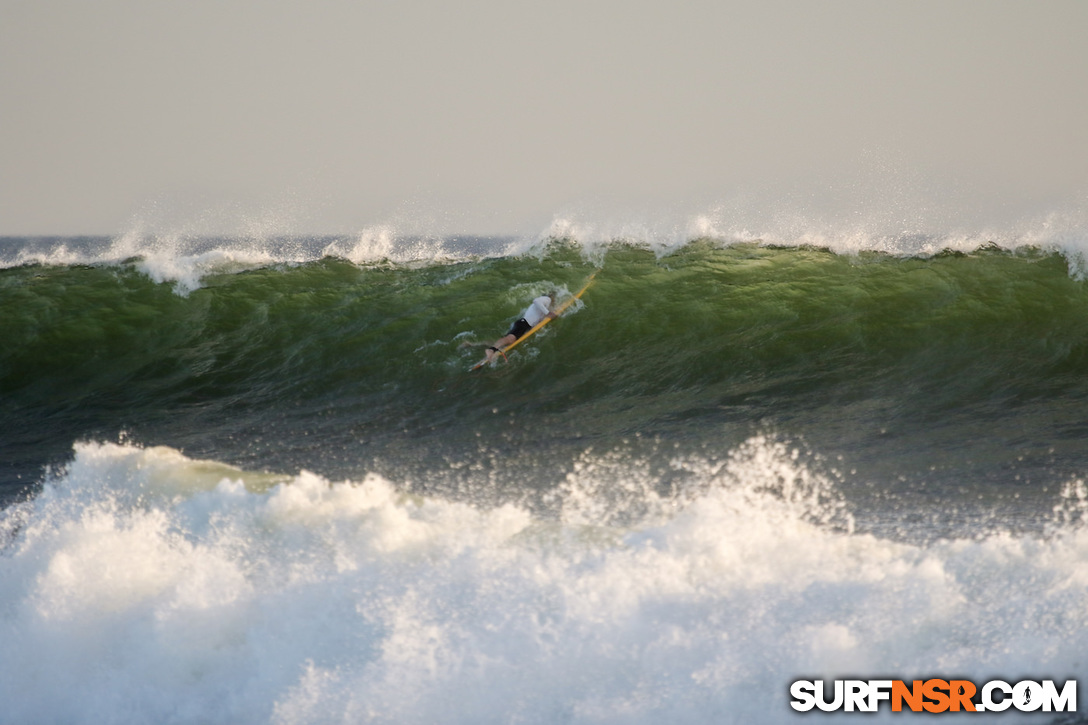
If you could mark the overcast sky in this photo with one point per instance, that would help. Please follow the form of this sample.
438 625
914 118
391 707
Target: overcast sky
492 117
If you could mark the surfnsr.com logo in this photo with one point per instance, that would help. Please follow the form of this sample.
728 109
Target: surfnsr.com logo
933 695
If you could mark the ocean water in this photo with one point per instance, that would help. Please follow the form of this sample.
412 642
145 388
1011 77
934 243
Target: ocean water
251 480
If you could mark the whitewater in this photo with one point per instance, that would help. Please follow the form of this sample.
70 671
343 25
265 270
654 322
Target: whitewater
137 588
251 480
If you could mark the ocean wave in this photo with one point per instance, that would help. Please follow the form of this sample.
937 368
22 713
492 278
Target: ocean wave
336 366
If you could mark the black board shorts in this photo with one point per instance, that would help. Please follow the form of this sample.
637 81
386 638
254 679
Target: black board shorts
519 328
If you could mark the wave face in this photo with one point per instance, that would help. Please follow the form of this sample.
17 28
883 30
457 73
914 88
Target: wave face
257 483
920 372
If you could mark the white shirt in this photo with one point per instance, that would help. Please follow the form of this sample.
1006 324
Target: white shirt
537 311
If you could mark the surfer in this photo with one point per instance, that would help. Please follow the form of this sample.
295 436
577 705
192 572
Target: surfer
540 308
536 315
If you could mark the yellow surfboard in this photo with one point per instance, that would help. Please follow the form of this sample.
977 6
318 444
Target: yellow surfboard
533 330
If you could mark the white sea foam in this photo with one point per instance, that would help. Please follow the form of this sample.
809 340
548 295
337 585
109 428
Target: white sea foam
384 243
792 225
185 260
141 586
179 261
